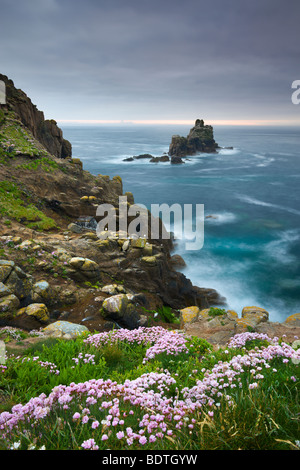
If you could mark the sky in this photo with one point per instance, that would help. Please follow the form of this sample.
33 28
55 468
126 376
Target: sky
224 61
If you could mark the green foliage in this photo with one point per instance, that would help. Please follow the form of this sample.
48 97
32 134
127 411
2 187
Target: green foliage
239 417
198 346
13 136
215 312
256 343
16 204
2 117
167 314
45 164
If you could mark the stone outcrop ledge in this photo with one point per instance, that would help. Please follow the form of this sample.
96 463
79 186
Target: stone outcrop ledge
218 328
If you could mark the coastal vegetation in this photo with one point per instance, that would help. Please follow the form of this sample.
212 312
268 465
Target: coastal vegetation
148 367
150 388
16 204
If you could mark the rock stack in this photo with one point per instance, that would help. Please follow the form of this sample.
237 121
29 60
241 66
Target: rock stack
200 139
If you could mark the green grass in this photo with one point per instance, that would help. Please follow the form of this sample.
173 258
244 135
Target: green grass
15 137
44 163
216 312
265 417
16 205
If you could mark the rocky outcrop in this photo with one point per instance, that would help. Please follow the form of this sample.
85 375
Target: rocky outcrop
217 326
45 131
200 139
64 330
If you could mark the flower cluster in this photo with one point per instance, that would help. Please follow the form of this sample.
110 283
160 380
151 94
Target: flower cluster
87 358
140 335
159 340
50 366
239 340
226 375
150 408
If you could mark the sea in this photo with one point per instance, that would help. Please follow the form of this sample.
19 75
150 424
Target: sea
249 192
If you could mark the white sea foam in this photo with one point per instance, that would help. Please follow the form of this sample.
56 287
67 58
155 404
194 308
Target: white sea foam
233 286
220 218
257 202
279 249
225 151
264 160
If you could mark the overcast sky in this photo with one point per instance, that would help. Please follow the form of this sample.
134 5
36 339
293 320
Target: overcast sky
154 59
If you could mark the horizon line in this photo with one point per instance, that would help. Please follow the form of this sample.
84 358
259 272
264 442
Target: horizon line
239 122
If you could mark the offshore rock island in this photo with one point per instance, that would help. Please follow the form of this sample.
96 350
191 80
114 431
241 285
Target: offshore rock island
57 275
199 140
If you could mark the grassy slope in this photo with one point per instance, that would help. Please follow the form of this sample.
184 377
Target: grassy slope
19 151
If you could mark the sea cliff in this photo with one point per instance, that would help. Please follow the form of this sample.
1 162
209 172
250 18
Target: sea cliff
55 268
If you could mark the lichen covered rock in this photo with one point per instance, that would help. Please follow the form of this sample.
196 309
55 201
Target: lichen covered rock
65 330
38 311
188 315
121 309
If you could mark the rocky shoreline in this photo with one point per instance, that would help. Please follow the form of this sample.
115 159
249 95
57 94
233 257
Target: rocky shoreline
54 268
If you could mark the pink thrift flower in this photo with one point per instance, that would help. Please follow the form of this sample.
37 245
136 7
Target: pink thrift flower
90 444
143 440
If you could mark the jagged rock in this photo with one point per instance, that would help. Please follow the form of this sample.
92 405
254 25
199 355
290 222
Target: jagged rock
188 315
42 292
176 160
8 306
148 249
199 139
177 261
19 283
130 197
293 320
113 289
84 268
14 279
37 311
149 260
75 228
6 268
45 131
120 308
217 330
77 161
126 245
252 316
138 243
4 290
163 158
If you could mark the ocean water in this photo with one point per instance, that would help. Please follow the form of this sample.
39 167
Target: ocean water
251 247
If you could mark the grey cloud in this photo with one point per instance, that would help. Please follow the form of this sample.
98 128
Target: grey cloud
129 59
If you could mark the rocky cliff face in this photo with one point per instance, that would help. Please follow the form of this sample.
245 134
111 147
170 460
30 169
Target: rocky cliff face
45 131
199 139
48 238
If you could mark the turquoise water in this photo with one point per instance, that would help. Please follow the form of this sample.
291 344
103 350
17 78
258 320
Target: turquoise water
251 249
